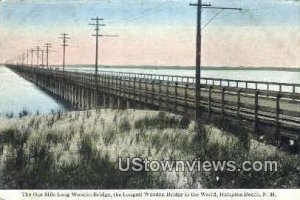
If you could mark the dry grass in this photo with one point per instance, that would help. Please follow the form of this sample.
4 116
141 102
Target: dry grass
81 149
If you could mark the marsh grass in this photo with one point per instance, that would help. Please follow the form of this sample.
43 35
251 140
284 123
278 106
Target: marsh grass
125 125
79 150
225 148
162 121
9 115
24 113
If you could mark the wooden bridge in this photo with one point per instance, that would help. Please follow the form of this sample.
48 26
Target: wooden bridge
269 109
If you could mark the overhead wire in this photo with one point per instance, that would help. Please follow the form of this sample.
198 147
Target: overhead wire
139 15
210 21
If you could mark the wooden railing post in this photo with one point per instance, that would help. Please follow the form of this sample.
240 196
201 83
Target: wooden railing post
223 101
256 112
121 86
115 83
186 97
134 88
140 90
152 96
209 101
294 91
278 118
160 99
104 83
280 87
239 103
109 84
100 84
146 91
176 96
129 93
168 98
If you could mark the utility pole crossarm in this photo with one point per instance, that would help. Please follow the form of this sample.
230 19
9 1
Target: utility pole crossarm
209 6
224 8
202 5
97 24
102 35
97 19
65 38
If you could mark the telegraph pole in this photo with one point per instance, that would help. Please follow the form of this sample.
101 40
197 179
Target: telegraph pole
18 60
48 45
31 57
38 49
23 59
97 25
65 38
27 55
97 29
201 6
43 58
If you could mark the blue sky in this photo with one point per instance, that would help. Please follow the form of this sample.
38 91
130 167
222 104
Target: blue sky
45 18
268 12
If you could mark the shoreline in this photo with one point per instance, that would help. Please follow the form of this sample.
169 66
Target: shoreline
286 69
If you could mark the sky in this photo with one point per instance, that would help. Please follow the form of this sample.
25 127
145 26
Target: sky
155 32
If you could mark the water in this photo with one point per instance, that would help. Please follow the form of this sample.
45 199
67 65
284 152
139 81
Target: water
17 94
290 77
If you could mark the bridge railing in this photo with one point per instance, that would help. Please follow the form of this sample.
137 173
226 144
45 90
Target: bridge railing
182 80
247 84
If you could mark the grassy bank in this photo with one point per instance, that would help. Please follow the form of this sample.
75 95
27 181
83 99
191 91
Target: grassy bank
81 149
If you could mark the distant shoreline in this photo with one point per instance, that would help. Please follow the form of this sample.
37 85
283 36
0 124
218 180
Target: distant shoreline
192 67
288 69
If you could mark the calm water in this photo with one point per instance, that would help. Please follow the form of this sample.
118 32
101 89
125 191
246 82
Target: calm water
250 75
292 77
17 94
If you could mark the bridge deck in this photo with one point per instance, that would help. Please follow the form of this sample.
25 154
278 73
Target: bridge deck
278 109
